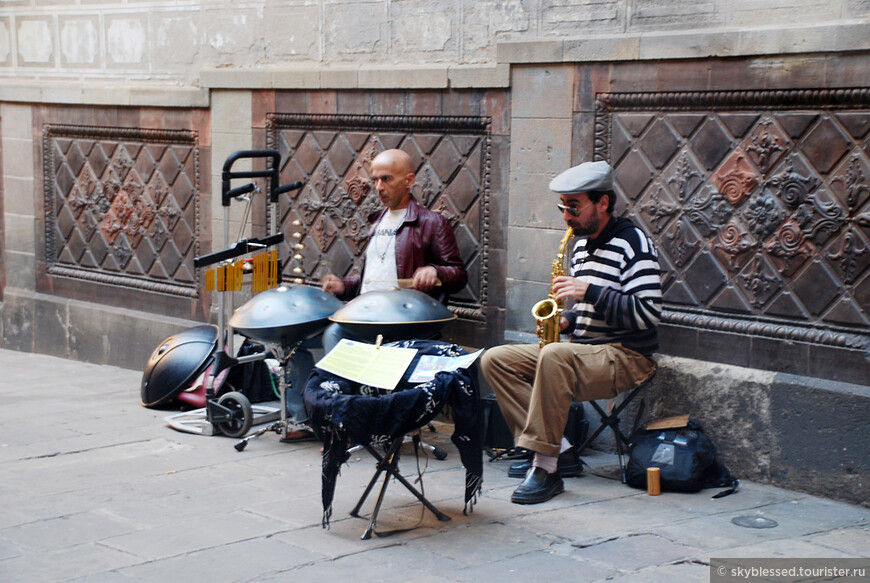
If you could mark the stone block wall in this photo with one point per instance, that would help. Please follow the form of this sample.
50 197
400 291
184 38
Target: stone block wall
105 207
754 192
458 143
155 42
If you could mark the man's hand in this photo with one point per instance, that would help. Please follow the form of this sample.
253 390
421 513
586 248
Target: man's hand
566 286
425 278
332 284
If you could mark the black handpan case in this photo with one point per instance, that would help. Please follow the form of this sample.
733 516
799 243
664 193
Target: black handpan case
176 363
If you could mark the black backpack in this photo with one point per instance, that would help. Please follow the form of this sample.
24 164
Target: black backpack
686 457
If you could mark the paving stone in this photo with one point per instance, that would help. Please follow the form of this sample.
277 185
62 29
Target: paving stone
66 531
193 533
540 565
227 563
684 572
8 550
593 521
854 541
498 542
632 553
784 548
64 564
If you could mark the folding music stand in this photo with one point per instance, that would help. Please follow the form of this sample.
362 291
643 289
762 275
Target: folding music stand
388 464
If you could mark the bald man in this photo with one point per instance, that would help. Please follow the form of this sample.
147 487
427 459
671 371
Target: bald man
407 242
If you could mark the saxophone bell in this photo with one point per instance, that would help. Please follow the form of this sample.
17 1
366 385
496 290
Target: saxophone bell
548 315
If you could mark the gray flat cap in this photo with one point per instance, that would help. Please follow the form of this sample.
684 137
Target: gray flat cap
583 178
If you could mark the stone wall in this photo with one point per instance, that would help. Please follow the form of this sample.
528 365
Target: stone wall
750 175
170 43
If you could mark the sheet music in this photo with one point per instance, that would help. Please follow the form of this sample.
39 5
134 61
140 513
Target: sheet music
429 365
368 364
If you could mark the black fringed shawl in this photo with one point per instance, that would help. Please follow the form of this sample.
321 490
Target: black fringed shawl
343 416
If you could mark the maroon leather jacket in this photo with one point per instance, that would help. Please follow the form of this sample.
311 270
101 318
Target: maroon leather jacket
424 238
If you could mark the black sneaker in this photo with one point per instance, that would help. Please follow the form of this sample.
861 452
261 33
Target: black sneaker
569 465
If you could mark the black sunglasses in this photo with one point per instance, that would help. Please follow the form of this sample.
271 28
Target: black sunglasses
572 210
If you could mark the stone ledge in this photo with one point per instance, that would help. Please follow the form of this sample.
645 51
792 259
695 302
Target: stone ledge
420 77
479 76
796 432
721 42
79 330
77 93
389 77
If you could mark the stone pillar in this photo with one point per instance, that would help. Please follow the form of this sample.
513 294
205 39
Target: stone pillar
231 131
18 183
540 149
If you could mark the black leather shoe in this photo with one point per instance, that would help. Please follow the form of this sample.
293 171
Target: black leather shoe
539 486
569 466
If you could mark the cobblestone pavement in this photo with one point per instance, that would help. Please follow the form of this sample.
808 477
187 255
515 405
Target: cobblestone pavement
95 487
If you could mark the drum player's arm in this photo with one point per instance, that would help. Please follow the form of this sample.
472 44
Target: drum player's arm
446 260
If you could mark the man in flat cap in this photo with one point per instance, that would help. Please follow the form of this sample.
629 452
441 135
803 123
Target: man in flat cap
615 286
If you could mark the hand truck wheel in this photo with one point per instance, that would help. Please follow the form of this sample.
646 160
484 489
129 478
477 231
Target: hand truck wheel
242 414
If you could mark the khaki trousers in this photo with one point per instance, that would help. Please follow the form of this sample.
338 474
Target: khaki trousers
535 386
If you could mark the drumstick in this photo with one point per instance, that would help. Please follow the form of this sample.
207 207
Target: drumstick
402 283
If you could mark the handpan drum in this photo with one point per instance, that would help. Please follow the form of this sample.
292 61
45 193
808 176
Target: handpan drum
399 314
285 315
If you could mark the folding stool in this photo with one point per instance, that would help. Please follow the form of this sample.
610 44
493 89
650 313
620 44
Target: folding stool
612 420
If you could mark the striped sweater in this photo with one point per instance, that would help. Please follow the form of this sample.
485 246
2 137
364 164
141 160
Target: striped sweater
624 301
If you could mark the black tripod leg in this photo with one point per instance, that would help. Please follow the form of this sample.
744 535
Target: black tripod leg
604 425
389 464
243 443
385 464
371 527
381 467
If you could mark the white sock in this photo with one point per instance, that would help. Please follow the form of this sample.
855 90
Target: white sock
548 463
566 445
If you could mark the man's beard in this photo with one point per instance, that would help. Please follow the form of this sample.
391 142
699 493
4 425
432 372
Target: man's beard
587 228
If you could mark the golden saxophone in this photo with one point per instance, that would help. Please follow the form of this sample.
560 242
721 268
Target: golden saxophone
548 312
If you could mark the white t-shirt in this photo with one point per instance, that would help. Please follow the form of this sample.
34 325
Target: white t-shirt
380 270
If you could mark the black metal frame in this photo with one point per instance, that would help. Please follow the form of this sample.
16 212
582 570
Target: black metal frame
215 412
612 420
388 464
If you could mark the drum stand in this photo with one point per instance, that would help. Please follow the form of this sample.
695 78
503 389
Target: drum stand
282 425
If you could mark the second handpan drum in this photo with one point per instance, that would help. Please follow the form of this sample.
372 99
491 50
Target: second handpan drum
396 314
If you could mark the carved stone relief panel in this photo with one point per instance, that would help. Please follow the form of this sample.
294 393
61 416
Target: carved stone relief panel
759 202
122 206
331 156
